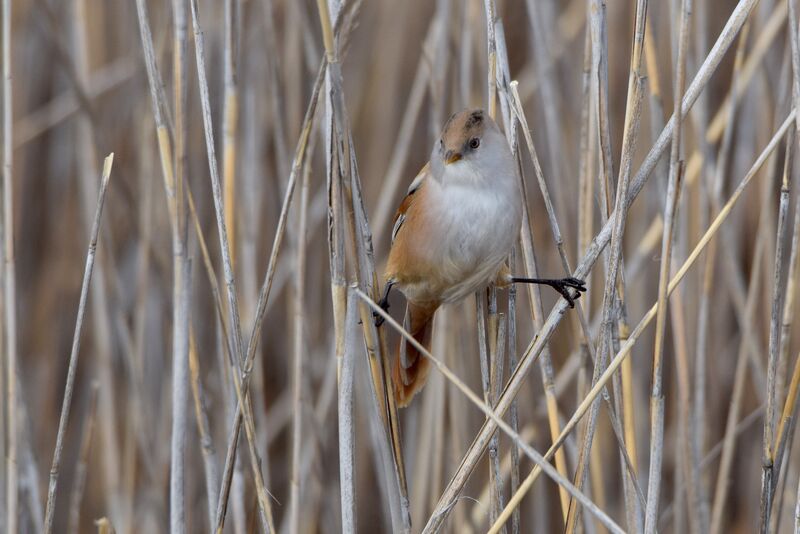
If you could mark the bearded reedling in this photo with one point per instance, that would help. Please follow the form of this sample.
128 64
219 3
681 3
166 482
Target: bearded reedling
452 234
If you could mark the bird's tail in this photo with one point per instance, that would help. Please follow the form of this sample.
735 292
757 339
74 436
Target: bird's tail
410 371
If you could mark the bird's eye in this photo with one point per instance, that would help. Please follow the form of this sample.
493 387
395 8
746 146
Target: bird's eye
474 143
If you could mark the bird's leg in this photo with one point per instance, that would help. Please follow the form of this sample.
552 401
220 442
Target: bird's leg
562 285
383 303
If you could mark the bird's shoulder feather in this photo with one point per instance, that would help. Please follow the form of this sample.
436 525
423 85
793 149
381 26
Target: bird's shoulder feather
408 200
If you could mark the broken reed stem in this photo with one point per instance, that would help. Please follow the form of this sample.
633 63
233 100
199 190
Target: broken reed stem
495 417
676 168
76 344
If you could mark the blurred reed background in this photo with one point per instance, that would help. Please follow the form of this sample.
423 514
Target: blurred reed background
693 431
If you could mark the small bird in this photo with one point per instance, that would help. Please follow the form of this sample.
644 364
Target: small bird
452 234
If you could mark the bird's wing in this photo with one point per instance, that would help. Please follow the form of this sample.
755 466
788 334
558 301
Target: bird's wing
400 216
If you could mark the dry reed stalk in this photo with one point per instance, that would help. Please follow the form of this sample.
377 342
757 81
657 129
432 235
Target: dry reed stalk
708 279
496 418
546 365
534 295
181 269
685 469
484 355
203 430
797 511
77 72
76 344
513 414
630 132
347 464
487 327
496 377
794 256
769 460
343 158
491 52
375 339
264 506
299 349
784 435
230 120
9 287
625 349
507 466
263 298
264 292
172 173
712 60
344 308
433 60
104 526
79 484
676 168
729 441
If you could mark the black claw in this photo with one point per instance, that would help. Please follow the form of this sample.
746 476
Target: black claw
565 284
384 305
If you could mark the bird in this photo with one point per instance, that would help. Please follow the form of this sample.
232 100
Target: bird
452 235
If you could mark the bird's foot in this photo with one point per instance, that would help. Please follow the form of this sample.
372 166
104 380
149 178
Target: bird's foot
564 285
384 305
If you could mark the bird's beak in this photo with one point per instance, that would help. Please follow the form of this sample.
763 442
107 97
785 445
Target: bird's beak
451 157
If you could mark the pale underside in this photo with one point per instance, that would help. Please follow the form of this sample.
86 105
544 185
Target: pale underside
454 235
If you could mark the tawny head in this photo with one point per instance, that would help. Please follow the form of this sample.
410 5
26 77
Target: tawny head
470 138
461 136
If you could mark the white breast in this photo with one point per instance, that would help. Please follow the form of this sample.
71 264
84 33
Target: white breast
477 223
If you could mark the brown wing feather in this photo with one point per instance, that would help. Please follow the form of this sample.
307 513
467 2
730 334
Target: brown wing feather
400 215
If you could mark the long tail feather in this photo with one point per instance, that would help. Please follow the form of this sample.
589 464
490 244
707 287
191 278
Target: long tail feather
410 370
